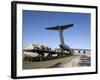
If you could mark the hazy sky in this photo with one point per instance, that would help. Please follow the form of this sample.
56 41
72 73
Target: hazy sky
35 22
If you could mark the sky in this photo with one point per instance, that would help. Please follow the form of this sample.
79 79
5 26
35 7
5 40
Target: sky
35 22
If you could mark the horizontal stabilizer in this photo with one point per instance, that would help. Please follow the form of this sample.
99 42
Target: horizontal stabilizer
60 27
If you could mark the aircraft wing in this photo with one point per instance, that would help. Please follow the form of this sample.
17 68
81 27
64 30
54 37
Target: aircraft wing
60 27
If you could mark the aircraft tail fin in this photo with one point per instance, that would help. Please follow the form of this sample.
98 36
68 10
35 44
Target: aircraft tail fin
60 27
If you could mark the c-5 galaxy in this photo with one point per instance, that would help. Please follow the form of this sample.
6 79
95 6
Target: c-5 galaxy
63 46
65 50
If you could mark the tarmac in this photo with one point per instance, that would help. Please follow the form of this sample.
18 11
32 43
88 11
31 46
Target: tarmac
54 63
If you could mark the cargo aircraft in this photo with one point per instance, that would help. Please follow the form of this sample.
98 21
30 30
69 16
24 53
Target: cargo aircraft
63 46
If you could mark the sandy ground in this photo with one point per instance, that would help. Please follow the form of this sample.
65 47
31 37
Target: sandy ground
51 63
